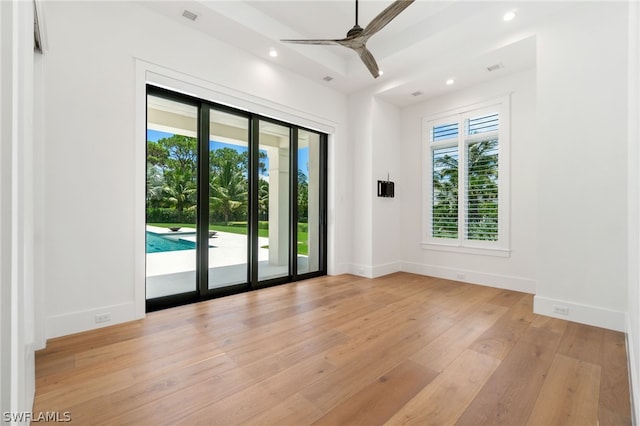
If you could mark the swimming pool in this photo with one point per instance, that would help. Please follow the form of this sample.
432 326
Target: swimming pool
160 243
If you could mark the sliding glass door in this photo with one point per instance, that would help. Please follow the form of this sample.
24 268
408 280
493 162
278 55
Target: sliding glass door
172 179
274 200
309 203
228 197
224 211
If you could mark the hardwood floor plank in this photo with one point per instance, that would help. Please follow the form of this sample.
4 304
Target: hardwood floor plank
583 342
569 395
295 410
287 382
139 393
380 400
175 407
506 298
443 350
498 340
509 395
234 409
270 363
370 363
448 395
614 408
403 348
550 324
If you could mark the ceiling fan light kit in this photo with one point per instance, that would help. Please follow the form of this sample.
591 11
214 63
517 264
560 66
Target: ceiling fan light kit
357 36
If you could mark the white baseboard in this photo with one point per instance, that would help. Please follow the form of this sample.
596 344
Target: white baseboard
365 271
385 269
75 322
368 271
339 269
584 314
506 282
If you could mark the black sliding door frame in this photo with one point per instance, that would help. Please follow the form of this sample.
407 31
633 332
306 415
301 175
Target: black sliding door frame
202 291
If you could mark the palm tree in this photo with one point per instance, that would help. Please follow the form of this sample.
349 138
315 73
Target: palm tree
228 189
482 192
303 196
155 182
180 195
263 199
445 194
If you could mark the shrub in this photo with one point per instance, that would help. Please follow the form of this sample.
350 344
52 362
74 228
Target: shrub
169 215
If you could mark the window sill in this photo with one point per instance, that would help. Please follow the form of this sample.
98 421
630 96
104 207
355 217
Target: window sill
485 251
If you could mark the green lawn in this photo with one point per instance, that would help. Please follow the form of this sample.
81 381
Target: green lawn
241 228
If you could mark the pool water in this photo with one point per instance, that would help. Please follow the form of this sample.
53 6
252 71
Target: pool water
159 243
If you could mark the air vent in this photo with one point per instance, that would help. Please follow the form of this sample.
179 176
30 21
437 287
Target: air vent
495 67
417 94
189 15
327 78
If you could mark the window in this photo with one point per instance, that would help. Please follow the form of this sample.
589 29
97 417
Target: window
466 179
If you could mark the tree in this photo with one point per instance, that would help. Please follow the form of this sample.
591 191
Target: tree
177 155
263 199
445 195
157 155
303 196
182 153
228 183
155 183
481 193
180 190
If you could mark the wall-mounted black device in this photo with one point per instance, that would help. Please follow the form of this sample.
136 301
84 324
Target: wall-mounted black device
386 189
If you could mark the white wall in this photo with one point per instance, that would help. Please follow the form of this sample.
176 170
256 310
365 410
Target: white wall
516 271
386 161
90 128
360 139
374 139
633 114
581 165
17 263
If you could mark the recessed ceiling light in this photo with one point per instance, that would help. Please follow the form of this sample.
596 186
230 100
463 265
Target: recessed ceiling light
327 78
418 93
273 53
450 82
189 15
380 72
509 16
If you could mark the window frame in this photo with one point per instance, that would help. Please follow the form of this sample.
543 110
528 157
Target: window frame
500 247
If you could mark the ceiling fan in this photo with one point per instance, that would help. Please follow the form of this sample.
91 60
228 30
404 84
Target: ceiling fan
357 37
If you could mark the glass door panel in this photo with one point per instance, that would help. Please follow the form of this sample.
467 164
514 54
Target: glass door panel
228 199
171 196
273 201
308 226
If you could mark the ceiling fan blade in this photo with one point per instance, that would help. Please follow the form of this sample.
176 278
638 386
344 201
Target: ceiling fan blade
320 41
369 61
386 16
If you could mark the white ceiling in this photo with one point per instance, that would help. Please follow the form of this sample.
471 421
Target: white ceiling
428 43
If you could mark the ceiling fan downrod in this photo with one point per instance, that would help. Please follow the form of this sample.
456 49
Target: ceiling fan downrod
357 29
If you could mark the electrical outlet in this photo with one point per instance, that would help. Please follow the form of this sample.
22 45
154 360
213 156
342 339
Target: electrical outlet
103 317
460 276
562 310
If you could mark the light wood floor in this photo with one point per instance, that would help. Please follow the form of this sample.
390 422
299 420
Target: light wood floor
402 349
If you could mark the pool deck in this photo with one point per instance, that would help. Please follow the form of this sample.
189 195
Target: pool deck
225 249
174 272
